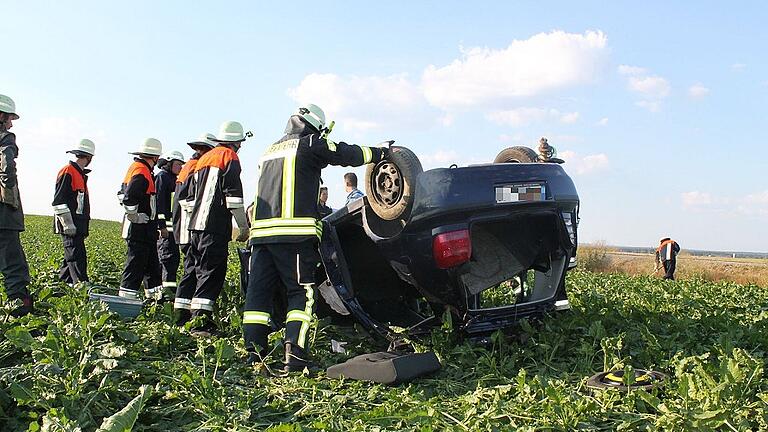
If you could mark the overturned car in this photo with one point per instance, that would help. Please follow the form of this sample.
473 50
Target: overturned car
490 244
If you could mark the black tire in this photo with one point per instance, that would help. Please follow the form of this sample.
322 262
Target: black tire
517 154
390 184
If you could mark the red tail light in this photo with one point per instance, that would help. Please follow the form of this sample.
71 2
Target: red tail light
452 248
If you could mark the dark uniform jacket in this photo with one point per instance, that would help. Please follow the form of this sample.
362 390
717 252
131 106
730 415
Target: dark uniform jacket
137 193
217 190
184 201
11 213
72 195
165 183
667 251
289 183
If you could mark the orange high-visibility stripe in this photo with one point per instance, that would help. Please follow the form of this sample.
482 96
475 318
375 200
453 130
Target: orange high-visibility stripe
187 170
218 157
661 246
138 168
78 182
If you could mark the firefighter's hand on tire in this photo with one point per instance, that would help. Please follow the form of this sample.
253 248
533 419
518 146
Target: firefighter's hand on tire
385 152
137 218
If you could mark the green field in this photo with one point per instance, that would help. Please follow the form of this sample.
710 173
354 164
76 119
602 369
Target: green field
73 364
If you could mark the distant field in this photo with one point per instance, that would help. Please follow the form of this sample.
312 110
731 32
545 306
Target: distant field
740 270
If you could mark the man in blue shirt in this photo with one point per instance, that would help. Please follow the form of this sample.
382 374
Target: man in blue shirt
353 193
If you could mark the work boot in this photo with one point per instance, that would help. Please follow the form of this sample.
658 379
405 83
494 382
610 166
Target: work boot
205 329
296 359
27 306
182 317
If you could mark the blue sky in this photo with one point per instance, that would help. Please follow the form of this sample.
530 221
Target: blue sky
659 109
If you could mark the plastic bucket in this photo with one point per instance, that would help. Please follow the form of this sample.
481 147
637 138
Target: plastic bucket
125 307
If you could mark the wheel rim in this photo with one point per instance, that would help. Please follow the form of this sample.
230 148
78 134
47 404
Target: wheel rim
388 184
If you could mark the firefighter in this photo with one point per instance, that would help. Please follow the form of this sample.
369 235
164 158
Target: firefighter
140 227
167 249
322 206
666 256
182 208
218 198
13 262
285 230
72 212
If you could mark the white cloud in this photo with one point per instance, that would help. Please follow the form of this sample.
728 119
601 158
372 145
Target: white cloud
363 103
541 63
631 70
650 86
524 116
696 199
602 122
582 165
698 91
738 67
570 118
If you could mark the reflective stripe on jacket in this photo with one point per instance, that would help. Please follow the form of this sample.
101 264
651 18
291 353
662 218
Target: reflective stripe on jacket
286 204
184 201
71 195
217 190
137 195
165 182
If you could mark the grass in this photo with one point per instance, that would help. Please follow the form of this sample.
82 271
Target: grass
601 258
74 364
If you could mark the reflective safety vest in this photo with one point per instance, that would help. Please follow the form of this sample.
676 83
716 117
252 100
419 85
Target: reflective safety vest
137 194
667 250
71 195
286 204
184 201
217 190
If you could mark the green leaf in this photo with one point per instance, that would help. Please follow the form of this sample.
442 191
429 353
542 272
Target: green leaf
20 338
123 420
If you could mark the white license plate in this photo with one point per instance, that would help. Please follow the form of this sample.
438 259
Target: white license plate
520 193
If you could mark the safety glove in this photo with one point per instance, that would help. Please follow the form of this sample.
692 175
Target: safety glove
137 218
242 223
67 224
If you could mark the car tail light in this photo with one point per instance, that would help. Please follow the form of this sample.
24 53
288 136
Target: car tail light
452 248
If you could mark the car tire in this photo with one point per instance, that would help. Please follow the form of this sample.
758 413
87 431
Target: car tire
517 154
391 182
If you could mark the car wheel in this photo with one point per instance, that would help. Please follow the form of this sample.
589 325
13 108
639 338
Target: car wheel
517 154
390 184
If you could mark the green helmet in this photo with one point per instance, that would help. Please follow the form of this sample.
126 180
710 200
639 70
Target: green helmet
313 115
8 106
230 132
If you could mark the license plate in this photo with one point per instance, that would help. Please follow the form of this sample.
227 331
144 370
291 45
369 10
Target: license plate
520 193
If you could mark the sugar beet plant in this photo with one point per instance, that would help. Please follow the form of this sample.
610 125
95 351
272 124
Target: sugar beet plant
76 366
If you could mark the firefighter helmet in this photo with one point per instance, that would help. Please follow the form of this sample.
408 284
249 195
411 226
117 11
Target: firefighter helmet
230 131
313 115
172 156
84 147
8 106
150 147
205 140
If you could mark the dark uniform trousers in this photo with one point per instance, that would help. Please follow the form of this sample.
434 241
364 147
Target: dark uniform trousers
168 252
669 268
274 267
210 251
13 264
141 265
74 268
188 282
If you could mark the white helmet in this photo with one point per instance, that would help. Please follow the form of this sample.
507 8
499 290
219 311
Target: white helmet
7 105
85 146
172 156
230 131
205 140
150 147
313 114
